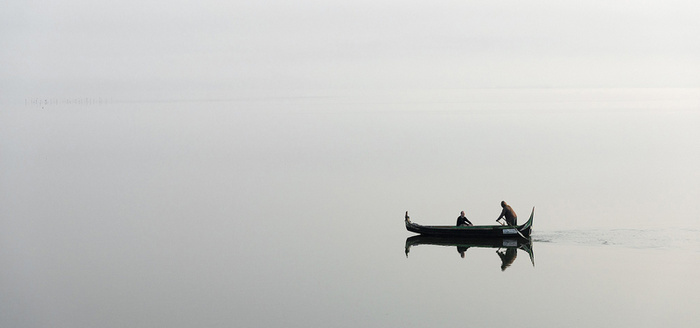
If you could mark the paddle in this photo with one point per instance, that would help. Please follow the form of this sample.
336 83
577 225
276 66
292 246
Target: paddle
509 226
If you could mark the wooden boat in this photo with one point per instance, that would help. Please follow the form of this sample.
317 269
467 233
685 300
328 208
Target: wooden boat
464 243
500 231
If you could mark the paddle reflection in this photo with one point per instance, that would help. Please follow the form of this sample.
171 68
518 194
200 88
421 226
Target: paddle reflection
507 248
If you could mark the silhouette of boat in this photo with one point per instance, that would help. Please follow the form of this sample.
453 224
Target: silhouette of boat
500 231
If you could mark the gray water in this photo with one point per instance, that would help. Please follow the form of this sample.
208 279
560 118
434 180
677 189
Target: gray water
287 211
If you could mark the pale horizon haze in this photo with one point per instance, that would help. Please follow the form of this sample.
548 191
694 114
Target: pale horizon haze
160 50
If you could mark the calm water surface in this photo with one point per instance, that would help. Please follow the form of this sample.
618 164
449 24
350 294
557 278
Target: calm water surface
288 211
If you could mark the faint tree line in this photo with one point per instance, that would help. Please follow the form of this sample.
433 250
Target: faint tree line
38 101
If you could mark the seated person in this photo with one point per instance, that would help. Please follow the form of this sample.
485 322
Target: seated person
463 221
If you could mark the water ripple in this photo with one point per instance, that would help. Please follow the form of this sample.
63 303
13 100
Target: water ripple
672 239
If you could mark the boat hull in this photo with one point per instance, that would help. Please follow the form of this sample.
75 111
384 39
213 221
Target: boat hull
500 231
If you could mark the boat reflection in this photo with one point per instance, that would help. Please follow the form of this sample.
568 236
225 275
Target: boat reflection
507 247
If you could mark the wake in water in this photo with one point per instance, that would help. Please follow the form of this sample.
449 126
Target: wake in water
663 239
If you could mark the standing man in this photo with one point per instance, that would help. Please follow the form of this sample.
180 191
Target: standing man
463 221
508 214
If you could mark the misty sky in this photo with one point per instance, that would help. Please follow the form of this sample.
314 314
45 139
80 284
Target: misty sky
183 214
201 49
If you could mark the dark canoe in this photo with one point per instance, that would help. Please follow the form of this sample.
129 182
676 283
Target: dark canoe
499 231
464 243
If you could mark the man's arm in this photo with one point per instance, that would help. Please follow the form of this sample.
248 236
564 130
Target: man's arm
503 213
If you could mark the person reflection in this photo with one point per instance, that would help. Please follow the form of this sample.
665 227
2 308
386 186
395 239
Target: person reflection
507 257
461 250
